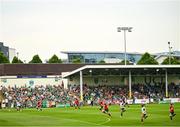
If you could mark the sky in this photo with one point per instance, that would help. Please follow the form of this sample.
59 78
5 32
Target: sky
47 27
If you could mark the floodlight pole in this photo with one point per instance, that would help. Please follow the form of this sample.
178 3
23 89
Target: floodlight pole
166 77
119 29
130 92
125 56
169 52
81 85
17 55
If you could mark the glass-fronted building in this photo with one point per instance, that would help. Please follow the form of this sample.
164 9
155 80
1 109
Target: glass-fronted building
96 57
163 55
8 52
4 49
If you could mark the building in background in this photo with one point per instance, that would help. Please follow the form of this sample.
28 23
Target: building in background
8 52
95 57
4 49
114 57
160 57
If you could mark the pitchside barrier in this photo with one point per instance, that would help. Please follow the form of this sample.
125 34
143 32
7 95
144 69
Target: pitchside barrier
146 101
62 105
169 100
140 101
50 104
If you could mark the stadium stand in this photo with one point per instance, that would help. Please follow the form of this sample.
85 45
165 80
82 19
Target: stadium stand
53 96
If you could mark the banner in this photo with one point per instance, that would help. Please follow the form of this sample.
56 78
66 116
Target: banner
170 100
130 101
62 105
165 101
141 101
48 104
32 76
174 100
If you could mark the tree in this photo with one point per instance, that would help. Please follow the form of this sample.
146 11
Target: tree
3 58
173 60
36 59
147 59
20 61
16 60
76 61
54 59
102 62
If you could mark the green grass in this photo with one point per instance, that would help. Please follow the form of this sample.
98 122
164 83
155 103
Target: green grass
90 116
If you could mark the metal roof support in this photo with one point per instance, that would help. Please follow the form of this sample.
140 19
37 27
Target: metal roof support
130 93
177 67
166 77
81 85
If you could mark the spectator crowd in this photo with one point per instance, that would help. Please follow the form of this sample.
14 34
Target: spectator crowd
28 96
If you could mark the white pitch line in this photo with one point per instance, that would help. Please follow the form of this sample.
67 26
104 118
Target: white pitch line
82 121
96 124
108 120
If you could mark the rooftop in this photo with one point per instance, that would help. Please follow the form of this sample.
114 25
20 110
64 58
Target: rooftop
99 52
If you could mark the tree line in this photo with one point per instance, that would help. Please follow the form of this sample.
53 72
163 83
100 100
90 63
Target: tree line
35 59
146 59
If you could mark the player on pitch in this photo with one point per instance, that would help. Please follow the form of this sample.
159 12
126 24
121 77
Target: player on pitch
171 111
143 113
106 110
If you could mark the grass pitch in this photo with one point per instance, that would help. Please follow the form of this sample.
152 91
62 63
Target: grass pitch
90 116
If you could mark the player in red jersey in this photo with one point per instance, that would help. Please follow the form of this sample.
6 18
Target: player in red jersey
76 103
39 105
106 109
171 110
101 105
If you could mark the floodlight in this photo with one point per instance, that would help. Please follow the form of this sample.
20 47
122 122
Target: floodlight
129 29
90 71
119 29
